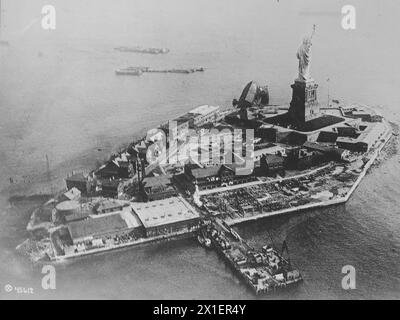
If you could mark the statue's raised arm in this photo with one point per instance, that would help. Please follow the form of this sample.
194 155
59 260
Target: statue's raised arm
304 56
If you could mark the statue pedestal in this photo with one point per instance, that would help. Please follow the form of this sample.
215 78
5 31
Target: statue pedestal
304 105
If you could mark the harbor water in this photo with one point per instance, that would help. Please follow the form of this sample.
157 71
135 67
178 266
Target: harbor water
60 97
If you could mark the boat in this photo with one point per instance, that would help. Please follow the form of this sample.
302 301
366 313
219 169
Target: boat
143 50
137 71
204 240
129 72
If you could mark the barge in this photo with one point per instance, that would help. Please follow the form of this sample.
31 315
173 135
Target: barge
138 49
137 71
263 271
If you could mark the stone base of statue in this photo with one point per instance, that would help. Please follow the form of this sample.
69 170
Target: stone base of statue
304 106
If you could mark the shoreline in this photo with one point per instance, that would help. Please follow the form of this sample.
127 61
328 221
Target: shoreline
143 241
238 221
326 203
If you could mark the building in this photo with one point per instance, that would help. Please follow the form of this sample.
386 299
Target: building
268 148
210 177
108 187
71 194
108 206
118 167
205 114
266 133
368 136
272 164
77 216
68 208
361 112
181 130
78 181
219 175
331 152
347 131
158 187
166 217
327 136
103 228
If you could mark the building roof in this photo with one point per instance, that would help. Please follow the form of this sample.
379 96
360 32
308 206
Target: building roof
72 194
162 180
68 205
77 215
271 149
131 219
79 177
203 110
327 136
96 226
317 147
184 118
205 172
273 159
110 183
164 212
110 205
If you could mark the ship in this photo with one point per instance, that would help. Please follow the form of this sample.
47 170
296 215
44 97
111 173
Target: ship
130 71
143 50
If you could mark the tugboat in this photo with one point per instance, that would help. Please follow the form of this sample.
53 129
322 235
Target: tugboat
204 240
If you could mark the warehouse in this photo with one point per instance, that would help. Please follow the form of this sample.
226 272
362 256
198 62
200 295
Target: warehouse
158 187
103 227
368 137
78 181
167 216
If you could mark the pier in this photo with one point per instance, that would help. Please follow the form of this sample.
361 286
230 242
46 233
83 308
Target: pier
262 270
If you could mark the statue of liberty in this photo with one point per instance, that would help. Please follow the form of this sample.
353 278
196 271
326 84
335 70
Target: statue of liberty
304 56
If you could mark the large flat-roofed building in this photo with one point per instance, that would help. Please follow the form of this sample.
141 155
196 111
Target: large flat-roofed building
107 206
167 216
103 227
368 137
204 114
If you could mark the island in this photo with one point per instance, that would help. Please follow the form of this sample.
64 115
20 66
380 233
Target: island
200 174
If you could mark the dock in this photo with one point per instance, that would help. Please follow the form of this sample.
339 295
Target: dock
262 270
